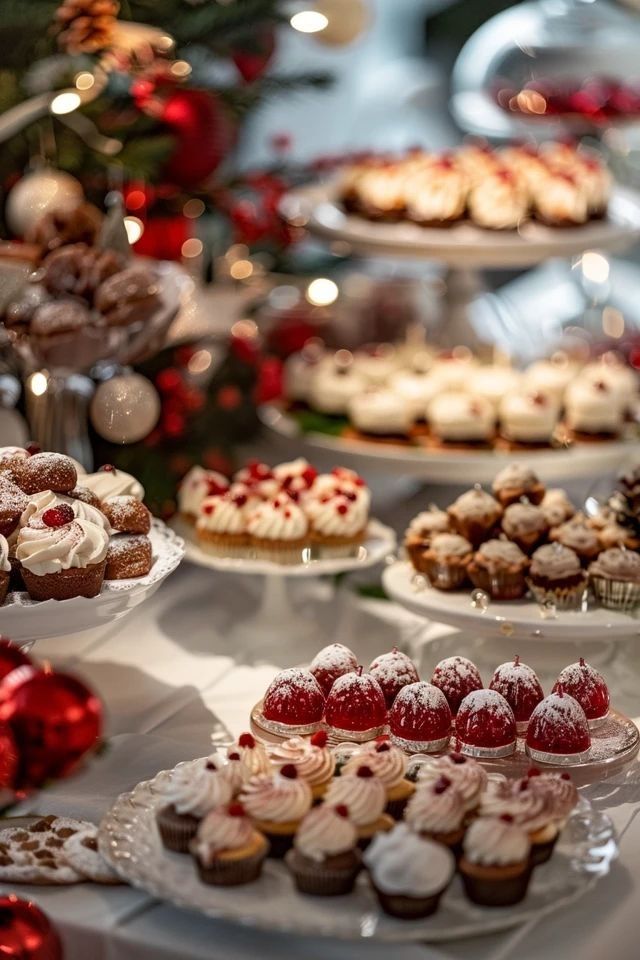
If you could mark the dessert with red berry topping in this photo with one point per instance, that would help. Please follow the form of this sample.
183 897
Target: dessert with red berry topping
583 682
418 534
84 509
365 797
298 476
485 725
475 515
338 522
356 708
314 761
520 687
558 730
277 803
559 787
389 764
192 792
516 481
529 418
393 671
331 662
408 873
593 408
278 530
195 486
437 811
446 561
466 774
325 861
533 810
456 676
61 556
556 576
420 719
227 849
250 755
111 482
499 568
499 201
221 526
293 703
495 866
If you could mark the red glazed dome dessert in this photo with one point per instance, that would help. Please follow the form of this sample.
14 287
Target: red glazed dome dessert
355 708
588 687
293 703
558 730
393 671
420 719
485 725
456 677
332 662
520 687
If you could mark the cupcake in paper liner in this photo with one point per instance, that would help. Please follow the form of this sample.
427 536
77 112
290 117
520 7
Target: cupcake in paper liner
615 579
325 861
228 850
556 576
446 562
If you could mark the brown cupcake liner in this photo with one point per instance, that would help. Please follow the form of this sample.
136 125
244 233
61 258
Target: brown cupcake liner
337 546
504 584
232 545
4 585
66 584
176 830
567 597
278 551
322 879
446 574
619 595
407 908
488 888
415 553
473 530
232 872
541 852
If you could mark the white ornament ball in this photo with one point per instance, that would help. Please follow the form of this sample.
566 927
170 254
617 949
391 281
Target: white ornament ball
125 409
40 192
348 19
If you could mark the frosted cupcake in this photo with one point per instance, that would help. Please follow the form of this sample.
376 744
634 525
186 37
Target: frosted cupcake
5 569
461 418
389 765
615 579
493 382
437 812
593 409
495 865
248 758
620 379
312 758
422 528
408 873
560 200
475 515
579 537
533 810
498 201
221 527
333 385
39 502
324 861
446 561
294 476
191 794
338 522
516 481
196 486
528 418
499 567
227 849
365 797
277 804
467 776
556 576
454 372
60 556
279 531
416 389
525 524
376 363
301 367
551 377
557 507
381 413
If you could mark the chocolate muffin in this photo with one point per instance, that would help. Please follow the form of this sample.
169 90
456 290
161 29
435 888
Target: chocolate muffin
127 297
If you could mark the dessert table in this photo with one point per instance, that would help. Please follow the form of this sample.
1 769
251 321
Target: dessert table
172 683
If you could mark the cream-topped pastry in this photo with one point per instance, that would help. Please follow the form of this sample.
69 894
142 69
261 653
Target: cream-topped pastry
559 199
388 763
297 476
495 554
461 417
559 787
524 161
416 389
111 482
591 406
338 515
222 523
450 545
198 484
521 519
222 830
364 795
467 776
477 160
515 476
404 864
554 561
278 798
381 189
428 522
381 412
454 373
333 387
499 201
578 536
376 365
436 808
550 376
475 504
198 788
620 379
530 809
252 755
314 763
301 367
557 507
325 832
491 841
42 549
39 502
437 195
528 417
617 564
493 382
278 519
5 566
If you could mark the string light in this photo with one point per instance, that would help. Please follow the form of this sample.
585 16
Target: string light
199 362
241 269
193 209
134 227
65 102
180 69
309 21
84 81
192 248
38 384
322 291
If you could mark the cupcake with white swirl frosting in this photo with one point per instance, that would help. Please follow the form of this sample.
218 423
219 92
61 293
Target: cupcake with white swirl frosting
221 526
228 850
277 804
338 521
62 556
495 866
39 502
193 791
467 775
556 575
389 764
365 797
324 860
278 530
437 811
312 758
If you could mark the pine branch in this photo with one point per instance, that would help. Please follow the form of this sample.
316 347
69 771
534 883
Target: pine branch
243 99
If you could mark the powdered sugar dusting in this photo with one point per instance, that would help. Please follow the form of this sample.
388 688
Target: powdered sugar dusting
417 698
559 716
394 667
489 701
334 657
512 673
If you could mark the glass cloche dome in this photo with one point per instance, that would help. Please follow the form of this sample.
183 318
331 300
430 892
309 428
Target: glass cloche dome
548 66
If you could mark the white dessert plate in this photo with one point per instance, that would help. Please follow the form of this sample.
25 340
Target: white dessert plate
517 618
317 208
453 466
130 841
25 620
378 544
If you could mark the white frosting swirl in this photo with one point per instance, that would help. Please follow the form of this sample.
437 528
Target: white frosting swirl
224 513
592 406
417 390
387 762
5 566
331 389
254 759
364 797
402 863
276 798
314 764
338 516
113 483
196 485
220 831
41 549
498 202
381 411
432 810
196 790
324 833
461 416
467 776
40 502
493 842
530 809
493 382
279 519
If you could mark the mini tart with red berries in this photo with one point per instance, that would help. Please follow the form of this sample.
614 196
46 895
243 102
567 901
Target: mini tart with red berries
221 526
338 521
278 530
62 557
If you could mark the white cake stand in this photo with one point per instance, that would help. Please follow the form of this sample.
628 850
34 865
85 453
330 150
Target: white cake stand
24 620
271 625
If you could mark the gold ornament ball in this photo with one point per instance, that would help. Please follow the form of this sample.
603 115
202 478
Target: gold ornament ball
125 409
348 19
38 193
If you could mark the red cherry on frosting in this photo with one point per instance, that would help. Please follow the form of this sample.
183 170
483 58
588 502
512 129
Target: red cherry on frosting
107 468
233 756
420 718
332 662
289 771
520 687
341 809
246 740
558 728
485 725
582 682
319 739
355 707
441 785
294 702
456 677
235 810
393 671
58 516
364 772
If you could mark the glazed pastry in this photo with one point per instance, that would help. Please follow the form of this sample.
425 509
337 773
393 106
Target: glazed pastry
446 561
111 482
592 408
528 417
499 568
228 851
516 481
129 556
195 487
498 201
525 524
324 860
461 418
474 515
381 413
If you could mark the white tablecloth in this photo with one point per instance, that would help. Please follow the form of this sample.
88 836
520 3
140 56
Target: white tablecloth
171 677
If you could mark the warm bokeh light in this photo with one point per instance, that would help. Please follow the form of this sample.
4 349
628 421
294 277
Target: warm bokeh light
322 292
595 267
192 247
193 209
38 384
241 269
65 103
309 21
84 81
612 323
134 227
199 362
181 69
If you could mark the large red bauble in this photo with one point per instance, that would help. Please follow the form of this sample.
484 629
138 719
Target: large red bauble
11 657
26 933
204 134
8 760
55 720
355 707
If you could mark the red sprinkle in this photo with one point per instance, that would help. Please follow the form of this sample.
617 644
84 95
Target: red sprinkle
383 747
107 468
58 516
210 765
342 508
208 508
240 499
289 771
233 756
506 817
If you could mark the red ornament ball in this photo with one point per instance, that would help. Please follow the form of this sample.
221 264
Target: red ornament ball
11 657
204 133
26 933
55 720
